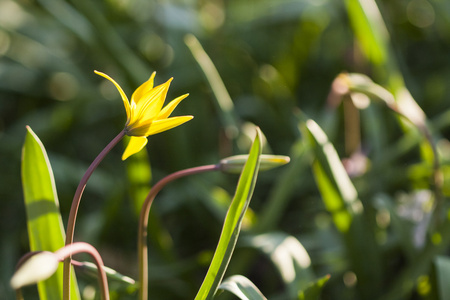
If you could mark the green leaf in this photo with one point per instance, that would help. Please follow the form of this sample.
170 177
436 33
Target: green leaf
45 227
312 292
373 36
91 270
369 28
232 224
242 287
338 193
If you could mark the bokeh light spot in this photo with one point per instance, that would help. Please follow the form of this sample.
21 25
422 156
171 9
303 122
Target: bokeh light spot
420 13
63 86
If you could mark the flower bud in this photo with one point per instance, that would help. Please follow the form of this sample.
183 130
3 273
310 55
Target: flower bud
37 268
234 164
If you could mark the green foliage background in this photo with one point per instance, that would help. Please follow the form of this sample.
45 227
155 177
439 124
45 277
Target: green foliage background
275 58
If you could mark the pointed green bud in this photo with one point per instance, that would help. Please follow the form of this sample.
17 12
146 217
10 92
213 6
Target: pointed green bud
37 268
234 164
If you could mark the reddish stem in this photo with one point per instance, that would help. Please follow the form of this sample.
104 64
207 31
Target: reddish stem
74 210
66 253
143 222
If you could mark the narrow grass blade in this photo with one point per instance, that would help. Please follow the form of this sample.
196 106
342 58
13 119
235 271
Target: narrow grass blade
232 224
373 36
70 18
45 228
339 194
223 100
342 202
91 270
242 287
370 29
371 32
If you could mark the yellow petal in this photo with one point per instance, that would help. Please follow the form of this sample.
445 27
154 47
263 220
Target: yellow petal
166 124
135 145
151 103
168 109
122 94
143 89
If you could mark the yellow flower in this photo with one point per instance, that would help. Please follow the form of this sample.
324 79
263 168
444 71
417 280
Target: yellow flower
145 113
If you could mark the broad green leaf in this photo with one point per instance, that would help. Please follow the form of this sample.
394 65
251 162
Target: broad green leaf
289 257
45 227
242 287
312 292
232 223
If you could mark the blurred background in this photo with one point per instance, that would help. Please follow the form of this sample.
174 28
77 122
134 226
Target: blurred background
277 59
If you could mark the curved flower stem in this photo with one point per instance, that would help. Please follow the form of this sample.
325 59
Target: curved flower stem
143 222
26 257
19 295
74 209
79 247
